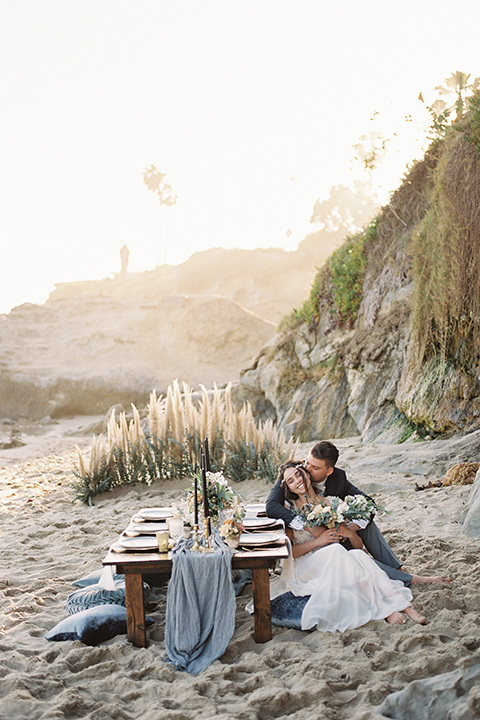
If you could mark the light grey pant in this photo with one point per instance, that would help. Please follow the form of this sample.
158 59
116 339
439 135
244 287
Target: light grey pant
382 553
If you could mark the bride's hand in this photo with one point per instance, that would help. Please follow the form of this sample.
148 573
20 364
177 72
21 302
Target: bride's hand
328 537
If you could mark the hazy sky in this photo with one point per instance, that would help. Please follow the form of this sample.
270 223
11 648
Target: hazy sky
231 98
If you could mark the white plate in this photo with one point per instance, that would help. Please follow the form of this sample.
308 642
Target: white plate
258 522
149 528
155 514
253 539
138 543
255 509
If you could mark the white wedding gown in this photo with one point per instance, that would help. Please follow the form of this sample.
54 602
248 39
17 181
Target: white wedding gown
347 587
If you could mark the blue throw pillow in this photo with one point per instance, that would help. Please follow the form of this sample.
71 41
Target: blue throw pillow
93 578
93 626
287 610
93 595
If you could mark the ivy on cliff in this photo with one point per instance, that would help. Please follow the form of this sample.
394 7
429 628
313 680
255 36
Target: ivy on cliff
338 285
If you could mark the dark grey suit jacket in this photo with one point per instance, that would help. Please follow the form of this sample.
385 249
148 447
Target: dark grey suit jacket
335 485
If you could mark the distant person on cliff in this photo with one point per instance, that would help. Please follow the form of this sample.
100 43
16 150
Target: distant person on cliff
124 255
328 480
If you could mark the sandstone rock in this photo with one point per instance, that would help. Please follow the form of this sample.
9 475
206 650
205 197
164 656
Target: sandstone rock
336 383
81 355
471 514
357 363
450 696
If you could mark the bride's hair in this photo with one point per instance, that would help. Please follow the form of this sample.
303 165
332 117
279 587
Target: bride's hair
289 495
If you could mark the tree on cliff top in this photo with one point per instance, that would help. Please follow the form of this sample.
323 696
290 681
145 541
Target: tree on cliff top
347 209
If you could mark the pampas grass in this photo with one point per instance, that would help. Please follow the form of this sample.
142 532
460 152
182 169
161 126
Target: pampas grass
169 444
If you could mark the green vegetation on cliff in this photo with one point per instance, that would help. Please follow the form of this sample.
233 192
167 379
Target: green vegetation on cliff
407 288
338 285
430 231
446 249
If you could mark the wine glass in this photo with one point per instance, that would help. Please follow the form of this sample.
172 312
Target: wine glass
175 528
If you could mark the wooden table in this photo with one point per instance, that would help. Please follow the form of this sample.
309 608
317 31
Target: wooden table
133 565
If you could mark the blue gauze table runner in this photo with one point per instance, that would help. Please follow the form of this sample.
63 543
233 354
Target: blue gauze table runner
200 618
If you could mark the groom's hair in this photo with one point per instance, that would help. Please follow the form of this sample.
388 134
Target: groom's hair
326 451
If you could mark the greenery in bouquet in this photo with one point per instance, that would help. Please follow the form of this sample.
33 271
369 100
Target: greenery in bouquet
220 495
338 511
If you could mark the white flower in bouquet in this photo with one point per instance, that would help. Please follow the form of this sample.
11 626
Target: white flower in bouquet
338 511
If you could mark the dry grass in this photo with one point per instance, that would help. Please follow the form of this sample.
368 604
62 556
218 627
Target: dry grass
461 474
169 445
446 257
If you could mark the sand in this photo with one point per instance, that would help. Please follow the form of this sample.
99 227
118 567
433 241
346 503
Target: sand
48 541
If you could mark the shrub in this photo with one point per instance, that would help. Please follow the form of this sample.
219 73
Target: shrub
338 285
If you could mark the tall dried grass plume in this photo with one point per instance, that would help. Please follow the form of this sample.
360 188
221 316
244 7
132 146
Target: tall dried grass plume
167 444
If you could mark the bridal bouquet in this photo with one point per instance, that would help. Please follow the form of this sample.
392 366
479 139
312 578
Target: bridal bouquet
354 507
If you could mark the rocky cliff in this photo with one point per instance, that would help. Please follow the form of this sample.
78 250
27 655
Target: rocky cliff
387 344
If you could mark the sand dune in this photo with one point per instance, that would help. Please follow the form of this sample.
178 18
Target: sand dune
48 542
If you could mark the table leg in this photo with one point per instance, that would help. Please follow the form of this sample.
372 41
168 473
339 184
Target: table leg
261 603
135 609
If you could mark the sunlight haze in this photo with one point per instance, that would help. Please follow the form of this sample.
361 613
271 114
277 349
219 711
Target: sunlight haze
251 108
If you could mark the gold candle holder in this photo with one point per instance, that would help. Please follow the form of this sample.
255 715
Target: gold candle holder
208 545
196 547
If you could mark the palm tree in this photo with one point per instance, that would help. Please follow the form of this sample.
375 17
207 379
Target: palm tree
155 181
458 84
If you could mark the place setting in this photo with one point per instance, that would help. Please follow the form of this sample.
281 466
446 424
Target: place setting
135 529
261 531
154 514
148 531
260 539
253 524
145 543
255 510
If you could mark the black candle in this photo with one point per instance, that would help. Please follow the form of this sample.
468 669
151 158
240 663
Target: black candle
206 509
195 509
207 455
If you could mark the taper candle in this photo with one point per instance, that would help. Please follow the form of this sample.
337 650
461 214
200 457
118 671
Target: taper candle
207 455
195 507
206 508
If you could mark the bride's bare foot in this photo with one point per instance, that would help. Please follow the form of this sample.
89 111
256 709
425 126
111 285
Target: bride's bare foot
430 579
415 616
396 618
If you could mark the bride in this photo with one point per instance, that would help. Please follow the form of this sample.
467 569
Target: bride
347 588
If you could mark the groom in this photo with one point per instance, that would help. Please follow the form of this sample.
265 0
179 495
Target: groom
328 480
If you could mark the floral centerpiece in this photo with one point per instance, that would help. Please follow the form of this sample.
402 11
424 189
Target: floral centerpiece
338 511
222 500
